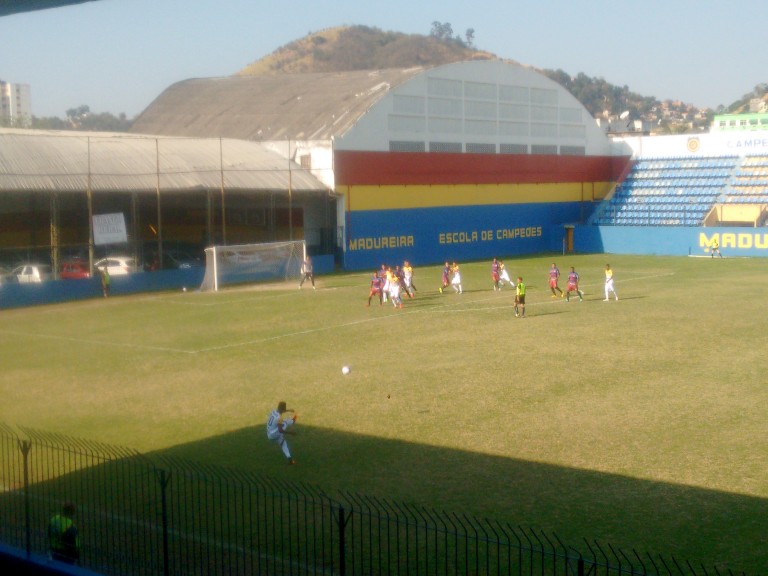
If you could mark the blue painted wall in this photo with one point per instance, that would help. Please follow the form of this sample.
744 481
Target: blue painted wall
55 291
433 235
671 241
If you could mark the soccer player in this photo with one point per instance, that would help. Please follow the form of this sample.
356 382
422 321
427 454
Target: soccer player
410 287
520 298
400 277
573 286
504 275
376 288
277 426
495 271
554 278
307 273
715 248
609 287
394 291
384 274
445 280
456 279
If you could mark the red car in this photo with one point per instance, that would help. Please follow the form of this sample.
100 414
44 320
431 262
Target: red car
74 270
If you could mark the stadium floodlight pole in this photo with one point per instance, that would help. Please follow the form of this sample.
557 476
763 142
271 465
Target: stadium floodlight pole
290 194
89 196
223 205
159 207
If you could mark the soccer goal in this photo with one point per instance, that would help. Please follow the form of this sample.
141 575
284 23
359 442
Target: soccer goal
246 263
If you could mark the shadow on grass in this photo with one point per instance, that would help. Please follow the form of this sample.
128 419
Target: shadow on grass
707 527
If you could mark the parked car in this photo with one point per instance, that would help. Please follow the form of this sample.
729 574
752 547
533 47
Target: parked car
180 260
74 270
116 265
31 273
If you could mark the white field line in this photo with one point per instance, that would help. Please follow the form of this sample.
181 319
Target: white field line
452 305
96 342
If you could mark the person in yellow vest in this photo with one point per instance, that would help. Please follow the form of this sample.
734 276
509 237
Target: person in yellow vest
520 298
715 248
106 281
63 537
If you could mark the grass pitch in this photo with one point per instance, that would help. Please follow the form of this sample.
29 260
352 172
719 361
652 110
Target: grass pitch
641 423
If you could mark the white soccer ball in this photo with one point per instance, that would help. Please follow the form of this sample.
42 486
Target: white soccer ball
345 370
184 289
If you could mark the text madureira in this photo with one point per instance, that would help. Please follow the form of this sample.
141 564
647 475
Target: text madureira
738 240
380 242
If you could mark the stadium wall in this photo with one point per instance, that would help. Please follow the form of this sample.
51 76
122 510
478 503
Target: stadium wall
671 241
696 145
432 207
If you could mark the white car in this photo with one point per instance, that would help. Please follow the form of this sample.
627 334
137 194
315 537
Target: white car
31 273
116 265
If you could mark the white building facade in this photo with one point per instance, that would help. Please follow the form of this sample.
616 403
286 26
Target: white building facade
15 105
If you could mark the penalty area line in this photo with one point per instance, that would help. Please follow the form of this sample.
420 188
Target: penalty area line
97 342
290 335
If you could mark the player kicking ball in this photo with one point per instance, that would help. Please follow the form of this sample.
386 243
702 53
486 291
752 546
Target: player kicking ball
278 424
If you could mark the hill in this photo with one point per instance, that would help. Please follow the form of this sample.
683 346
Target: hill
347 48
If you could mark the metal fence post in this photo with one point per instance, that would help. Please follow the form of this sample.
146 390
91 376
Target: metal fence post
25 446
342 524
164 479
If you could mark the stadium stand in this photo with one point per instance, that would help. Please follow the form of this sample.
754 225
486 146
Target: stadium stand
683 191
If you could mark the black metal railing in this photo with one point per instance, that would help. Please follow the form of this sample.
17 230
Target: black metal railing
152 515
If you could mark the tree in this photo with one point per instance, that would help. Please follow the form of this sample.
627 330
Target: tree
442 31
470 36
77 115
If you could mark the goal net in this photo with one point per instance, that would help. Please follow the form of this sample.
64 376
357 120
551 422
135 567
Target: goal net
245 263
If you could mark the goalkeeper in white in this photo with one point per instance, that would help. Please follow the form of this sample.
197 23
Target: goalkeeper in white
277 428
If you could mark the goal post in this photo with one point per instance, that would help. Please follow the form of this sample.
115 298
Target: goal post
247 263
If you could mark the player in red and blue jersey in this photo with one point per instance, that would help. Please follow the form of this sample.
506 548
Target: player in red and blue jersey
376 287
495 270
573 286
446 279
554 277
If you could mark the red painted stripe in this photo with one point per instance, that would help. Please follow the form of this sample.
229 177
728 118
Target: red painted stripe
353 168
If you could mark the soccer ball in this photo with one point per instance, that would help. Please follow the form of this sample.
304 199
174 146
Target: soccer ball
345 370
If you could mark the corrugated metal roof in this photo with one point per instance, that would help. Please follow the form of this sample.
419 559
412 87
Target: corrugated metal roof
45 161
312 106
15 6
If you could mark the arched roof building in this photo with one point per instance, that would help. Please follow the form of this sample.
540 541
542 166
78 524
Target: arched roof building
462 161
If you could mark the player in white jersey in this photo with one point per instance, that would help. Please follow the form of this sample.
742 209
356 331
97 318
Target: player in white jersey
456 279
394 292
609 287
504 275
277 426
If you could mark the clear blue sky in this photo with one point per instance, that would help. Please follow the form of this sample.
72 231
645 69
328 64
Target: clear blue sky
118 55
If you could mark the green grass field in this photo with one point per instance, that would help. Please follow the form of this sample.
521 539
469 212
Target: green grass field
642 423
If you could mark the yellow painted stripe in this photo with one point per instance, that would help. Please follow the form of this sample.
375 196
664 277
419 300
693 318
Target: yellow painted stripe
405 197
